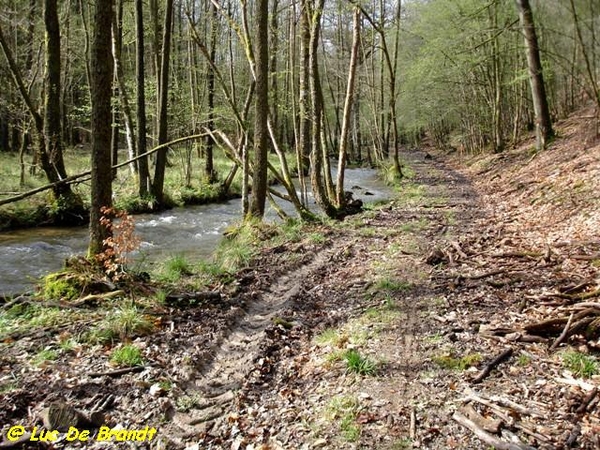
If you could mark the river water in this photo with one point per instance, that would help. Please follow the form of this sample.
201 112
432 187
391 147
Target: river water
193 231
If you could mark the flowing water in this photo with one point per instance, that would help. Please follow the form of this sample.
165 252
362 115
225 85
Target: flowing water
193 231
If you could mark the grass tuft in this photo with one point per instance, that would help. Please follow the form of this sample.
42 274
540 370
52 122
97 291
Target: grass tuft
127 356
580 364
359 364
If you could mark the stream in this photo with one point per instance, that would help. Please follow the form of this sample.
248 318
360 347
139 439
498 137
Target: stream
193 231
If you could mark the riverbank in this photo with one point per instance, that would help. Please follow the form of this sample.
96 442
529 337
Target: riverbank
459 315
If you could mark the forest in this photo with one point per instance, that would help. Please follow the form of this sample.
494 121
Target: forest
458 310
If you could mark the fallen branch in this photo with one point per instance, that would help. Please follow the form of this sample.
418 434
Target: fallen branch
492 364
413 424
487 424
587 400
564 334
486 437
494 401
118 372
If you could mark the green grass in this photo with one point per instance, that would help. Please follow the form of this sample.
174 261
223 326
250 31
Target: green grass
455 363
390 284
123 323
344 410
187 402
580 364
28 317
331 337
176 268
359 364
45 355
127 356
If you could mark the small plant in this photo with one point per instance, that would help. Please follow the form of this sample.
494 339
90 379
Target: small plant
186 402
332 337
129 321
345 409
359 364
453 363
316 238
161 296
177 267
60 286
67 345
44 356
524 359
580 364
122 240
390 284
127 356
125 322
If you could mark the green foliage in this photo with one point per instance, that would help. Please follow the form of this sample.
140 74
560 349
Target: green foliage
123 323
390 284
330 336
237 249
344 410
454 363
187 402
127 356
580 364
44 356
176 267
361 365
60 286
134 204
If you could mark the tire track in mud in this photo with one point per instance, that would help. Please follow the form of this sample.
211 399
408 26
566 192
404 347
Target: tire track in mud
214 384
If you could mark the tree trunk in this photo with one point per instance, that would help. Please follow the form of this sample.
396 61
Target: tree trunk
102 75
318 143
117 44
143 171
347 116
538 91
52 125
161 156
209 171
261 110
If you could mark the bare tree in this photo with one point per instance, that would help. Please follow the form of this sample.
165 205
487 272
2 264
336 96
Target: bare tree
538 91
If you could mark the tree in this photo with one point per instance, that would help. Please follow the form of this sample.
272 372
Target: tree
143 172
261 110
161 156
101 82
543 123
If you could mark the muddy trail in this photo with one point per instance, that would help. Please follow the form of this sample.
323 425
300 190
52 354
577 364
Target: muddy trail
430 322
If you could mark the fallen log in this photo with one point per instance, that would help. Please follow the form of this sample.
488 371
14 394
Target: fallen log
486 437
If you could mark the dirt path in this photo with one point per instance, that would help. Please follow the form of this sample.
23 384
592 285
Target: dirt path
368 334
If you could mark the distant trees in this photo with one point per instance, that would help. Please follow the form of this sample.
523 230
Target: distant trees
352 81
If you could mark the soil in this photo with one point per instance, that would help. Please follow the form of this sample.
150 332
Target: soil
466 265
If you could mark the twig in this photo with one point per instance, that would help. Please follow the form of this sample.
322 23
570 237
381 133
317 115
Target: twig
573 436
486 437
459 250
564 333
505 402
490 366
118 372
413 424
587 400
